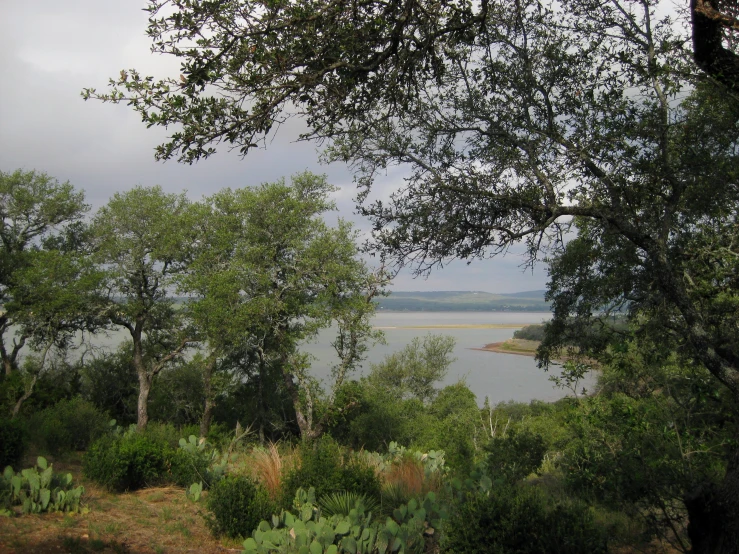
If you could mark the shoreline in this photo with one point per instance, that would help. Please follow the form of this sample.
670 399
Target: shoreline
497 348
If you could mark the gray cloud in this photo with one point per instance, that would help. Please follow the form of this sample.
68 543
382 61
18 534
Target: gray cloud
50 51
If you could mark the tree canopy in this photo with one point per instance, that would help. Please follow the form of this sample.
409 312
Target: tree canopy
268 274
39 216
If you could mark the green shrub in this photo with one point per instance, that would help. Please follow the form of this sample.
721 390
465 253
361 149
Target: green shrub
327 468
237 505
515 456
163 433
187 468
12 443
127 462
521 520
196 461
71 424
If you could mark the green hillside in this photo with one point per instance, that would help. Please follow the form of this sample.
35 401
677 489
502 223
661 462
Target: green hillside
441 301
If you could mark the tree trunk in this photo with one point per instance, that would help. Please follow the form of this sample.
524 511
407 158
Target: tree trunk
143 405
713 513
26 395
29 388
209 400
145 379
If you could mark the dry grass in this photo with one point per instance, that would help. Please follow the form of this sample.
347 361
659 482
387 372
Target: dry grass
408 476
267 465
153 520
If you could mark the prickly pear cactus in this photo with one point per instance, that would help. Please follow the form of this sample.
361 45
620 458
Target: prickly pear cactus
38 490
308 532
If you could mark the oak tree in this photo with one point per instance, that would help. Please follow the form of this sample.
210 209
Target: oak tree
140 242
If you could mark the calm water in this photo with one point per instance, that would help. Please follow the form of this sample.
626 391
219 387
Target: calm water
500 377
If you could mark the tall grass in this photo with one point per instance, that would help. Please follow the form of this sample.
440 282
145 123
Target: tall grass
268 466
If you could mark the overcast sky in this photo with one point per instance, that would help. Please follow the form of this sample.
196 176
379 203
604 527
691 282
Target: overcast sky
51 50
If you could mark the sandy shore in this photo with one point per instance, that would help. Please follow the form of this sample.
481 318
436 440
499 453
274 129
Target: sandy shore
500 349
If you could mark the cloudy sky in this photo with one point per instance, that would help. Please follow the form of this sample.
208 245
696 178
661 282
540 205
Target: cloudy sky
51 50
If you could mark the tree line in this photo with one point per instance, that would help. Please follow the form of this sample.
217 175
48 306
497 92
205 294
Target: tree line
260 271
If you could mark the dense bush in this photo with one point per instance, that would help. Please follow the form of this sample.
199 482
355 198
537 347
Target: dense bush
237 505
68 425
178 396
515 456
521 520
531 332
195 461
326 467
186 468
109 381
127 461
12 443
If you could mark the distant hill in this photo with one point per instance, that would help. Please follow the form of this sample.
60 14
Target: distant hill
460 301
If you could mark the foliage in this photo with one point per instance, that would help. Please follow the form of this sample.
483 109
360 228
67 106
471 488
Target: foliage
342 503
13 442
414 371
455 416
326 467
521 520
36 211
54 298
530 332
237 505
515 456
400 401
268 275
126 461
38 490
68 425
108 380
409 530
195 461
178 395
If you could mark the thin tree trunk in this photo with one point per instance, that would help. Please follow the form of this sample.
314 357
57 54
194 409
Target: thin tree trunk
29 389
26 395
209 400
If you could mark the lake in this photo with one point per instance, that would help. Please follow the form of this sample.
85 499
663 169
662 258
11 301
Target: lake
500 377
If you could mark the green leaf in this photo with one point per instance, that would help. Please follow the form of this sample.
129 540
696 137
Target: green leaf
45 496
